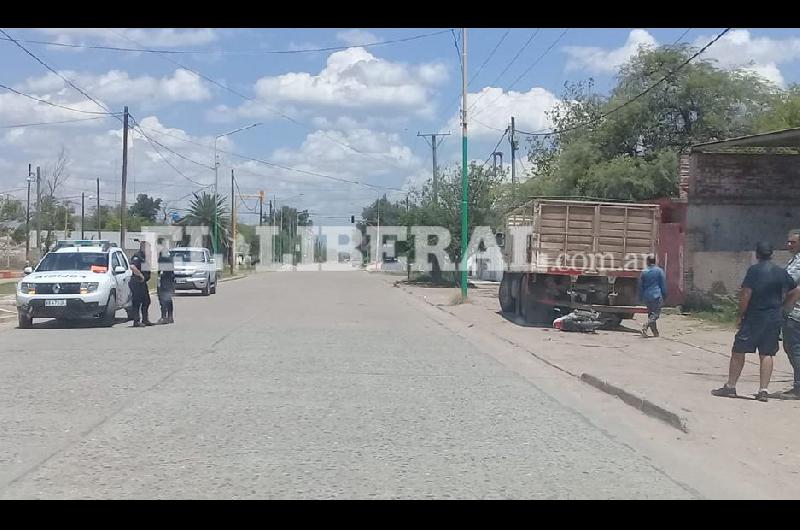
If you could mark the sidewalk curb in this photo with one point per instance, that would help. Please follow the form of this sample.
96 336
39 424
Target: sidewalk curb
232 278
645 405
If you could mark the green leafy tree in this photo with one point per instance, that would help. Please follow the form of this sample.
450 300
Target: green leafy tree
209 210
627 145
784 111
145 207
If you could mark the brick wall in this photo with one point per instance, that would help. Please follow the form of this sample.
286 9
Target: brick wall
725 178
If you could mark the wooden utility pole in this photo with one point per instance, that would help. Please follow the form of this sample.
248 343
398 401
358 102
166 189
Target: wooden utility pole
98 210
38 212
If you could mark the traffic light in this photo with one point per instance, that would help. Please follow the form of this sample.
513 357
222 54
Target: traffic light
352 219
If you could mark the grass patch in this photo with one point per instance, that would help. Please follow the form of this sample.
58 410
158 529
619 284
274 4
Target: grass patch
722 311
8 288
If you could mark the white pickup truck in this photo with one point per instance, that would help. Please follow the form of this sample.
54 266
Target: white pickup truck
76 281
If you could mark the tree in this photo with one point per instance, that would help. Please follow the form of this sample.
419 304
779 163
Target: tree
287 219
784 111
486 197
627 145
12 217
145 207
202 213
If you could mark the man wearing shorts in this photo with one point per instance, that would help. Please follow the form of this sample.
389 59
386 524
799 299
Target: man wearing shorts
768 293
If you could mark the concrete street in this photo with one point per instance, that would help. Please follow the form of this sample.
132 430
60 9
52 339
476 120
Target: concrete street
312 385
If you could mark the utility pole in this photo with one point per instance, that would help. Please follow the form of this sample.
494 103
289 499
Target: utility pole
38 212
464 180
98 209
233 226
28 218
378 246
83 214
123 211
261 208
434 144
494 156
66 218
408 248
514 146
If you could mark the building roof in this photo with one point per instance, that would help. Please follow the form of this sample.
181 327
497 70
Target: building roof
784 138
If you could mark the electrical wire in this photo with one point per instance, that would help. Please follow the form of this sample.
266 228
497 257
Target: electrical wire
636 97
21 125
34 98
230 52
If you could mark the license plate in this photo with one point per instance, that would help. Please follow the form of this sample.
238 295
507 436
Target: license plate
55 303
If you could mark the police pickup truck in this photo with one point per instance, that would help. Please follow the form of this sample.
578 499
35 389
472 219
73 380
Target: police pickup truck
78 279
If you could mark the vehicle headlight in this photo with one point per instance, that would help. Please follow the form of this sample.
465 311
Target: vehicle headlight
89 287
27 288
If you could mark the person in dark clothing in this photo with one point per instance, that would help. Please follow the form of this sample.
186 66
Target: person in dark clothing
653 292
140 293
768 294
166 285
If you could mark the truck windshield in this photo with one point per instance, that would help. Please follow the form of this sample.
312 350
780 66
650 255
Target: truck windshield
187 256
73 261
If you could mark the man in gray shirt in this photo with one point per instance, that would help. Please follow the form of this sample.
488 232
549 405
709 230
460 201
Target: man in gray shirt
791 326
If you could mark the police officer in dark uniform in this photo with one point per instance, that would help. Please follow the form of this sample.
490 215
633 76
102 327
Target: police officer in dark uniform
166 284
140 293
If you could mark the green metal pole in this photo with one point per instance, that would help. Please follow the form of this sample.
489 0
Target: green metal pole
464 180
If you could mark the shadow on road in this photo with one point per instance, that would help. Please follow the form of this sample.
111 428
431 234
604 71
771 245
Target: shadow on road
74 324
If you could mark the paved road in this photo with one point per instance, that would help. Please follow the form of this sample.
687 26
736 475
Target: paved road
293 385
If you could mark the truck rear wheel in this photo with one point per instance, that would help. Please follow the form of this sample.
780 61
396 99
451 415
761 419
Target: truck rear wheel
507 301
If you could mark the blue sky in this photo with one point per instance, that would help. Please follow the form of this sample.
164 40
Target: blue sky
351 114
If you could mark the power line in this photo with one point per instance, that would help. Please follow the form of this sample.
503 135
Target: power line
517 80
495 148
231 52
70 83
241 198
248 98
489 58
153 143
274 164
513 60
458 50
34 98
20 125
636 97
680 38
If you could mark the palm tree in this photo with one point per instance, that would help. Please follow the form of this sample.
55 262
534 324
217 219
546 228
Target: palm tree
201 213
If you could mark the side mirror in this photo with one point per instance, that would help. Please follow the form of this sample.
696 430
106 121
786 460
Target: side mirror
27 270
119 269
500 239
212 261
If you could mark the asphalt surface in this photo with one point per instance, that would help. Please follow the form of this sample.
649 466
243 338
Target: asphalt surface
293 385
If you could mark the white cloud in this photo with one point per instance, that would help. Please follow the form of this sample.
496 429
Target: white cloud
95 151
738 49
387 162
161 37
116 86
763 55
353 80
600 60
356 37
494 108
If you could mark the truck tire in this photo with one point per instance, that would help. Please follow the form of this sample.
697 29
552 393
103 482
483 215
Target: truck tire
110 314
507 301
25 322
214 288
206 290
